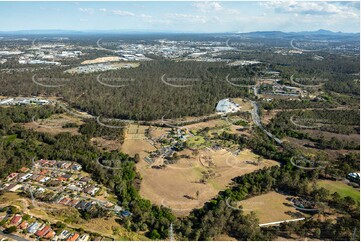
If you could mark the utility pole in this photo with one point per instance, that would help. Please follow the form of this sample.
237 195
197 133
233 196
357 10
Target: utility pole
171 235
353 235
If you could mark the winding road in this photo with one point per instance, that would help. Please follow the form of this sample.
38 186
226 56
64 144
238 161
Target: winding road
257 121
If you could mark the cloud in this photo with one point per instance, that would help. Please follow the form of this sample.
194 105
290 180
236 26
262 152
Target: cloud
207 6
186 18
122 13
102 9
86 10
313 8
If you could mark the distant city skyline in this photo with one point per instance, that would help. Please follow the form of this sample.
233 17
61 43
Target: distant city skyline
174 16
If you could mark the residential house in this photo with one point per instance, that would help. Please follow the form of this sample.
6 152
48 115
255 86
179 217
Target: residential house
65 177
16 219
49 235
25 177
73 202
23 225
64 234
72 187
84 237
73 237
76 167
43 231
92 190
11 176
45 179
14 187
81 205
65 201
24 169
33 227
43 172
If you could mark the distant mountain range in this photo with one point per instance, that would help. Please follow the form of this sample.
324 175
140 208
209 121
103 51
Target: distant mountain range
320 32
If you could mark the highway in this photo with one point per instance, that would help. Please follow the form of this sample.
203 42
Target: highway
257 121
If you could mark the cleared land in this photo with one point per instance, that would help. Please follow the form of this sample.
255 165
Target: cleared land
176 185
271 207
341 188
54 124
101 60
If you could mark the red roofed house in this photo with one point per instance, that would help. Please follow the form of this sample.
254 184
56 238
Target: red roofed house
24 169
16 219
65 200
11 176
43 231
23 225
49 235
43 172
73 237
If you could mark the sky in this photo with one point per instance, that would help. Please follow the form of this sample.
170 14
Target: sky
176 16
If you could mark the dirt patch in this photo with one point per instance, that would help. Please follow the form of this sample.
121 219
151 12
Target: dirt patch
104 144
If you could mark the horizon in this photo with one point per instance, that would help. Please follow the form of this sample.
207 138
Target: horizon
135 31
181 17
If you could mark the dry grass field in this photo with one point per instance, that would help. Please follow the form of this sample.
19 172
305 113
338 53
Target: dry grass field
176 185
105 145
210 124
245 105
271 207
54 124
137 146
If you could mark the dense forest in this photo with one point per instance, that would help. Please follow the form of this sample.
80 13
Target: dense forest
144 95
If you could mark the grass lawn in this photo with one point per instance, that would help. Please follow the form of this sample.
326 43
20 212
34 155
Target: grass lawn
341 188
195 141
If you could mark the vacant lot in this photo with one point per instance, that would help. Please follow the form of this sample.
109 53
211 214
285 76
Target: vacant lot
271 207
341 188
205 173
54 124
210 124
101 60
137 146
105 144
245 105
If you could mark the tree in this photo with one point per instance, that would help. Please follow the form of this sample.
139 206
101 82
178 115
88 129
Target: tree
10 230
136 158
154 235
259 160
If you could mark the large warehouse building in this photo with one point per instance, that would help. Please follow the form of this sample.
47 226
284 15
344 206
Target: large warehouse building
227 106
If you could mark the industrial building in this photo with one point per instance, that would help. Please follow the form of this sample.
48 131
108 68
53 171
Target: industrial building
227 106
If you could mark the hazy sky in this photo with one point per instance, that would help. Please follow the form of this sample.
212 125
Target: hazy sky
220 16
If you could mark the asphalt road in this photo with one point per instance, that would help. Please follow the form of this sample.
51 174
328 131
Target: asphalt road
257 121
13 236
